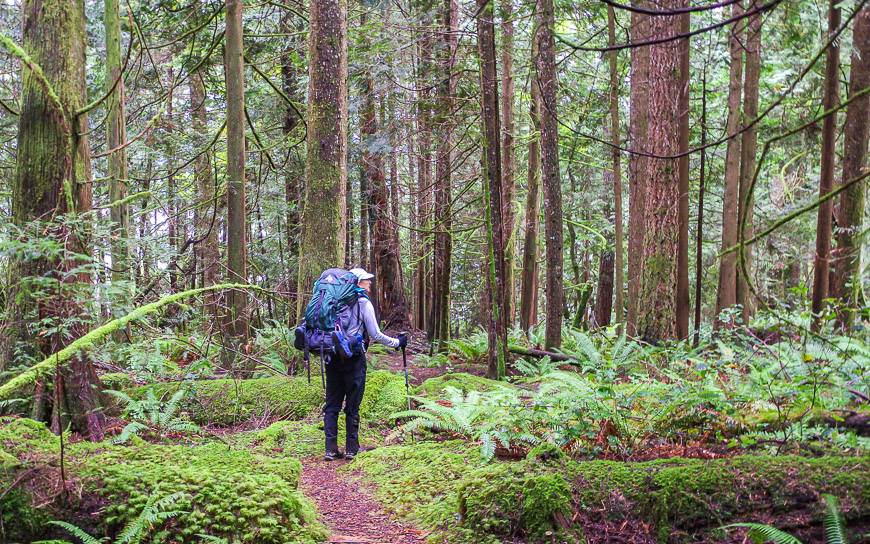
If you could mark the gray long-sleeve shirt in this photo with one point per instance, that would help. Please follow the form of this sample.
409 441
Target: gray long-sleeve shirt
367 317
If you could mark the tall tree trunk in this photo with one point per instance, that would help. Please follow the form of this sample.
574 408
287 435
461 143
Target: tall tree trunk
116 136
726 295
851 208
507 152
385 262
206 224
492 190
657 304
236 319
53 179
748 148
682 294
294 182
604 291
529 284
826 180
619 280
325 210
699 231
639 108
364 207
545 68
443 175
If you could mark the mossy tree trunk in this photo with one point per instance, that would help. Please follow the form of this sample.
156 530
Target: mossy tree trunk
508 157
53 187
492 190
619 279
116 136
545 70
657 304
208 252
851 209
323 222
236 325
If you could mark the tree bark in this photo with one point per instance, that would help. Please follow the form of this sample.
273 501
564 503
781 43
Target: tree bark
492 190
657 304
116 136
726 295
619 280
236 301
748 148
826 180
323 217
507 152
604 291
545 68
443 175
682 294
206 224
294 178
528 299
53 179
699 231
639 111
851 207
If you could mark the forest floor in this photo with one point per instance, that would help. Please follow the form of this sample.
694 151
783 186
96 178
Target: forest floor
348 509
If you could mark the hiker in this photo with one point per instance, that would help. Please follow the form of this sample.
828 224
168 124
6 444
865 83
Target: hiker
340 322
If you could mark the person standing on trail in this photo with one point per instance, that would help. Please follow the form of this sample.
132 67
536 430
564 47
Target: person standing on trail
346 376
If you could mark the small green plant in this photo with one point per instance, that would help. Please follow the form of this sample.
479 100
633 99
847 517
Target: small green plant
156 511
835 530
153 414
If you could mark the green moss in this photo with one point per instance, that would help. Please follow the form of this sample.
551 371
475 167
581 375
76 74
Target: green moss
225 402
21 436
300 438
434 387
239 495
444 489
116 381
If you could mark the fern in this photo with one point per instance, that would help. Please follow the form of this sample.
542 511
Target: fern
835 533
78 533
761 533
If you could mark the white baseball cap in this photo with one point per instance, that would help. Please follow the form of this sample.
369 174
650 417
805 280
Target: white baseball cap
361 274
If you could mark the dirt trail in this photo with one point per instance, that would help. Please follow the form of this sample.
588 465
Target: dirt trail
348 509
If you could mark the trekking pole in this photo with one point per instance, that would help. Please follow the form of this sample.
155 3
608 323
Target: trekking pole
405 366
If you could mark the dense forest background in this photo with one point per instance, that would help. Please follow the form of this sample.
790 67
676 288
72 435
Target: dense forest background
497 165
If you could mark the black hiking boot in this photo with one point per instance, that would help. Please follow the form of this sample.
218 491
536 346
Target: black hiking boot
333 455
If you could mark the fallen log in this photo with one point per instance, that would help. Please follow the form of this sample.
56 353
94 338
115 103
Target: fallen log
532 352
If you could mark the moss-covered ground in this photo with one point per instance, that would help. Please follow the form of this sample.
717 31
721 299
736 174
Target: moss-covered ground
243 486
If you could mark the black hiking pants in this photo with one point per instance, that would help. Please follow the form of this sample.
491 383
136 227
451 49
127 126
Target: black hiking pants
345 384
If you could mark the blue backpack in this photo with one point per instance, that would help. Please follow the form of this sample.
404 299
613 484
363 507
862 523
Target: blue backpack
327 316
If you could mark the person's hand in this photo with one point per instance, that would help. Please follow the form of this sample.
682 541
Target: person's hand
403 340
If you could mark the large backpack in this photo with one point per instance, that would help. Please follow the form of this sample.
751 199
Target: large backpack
334 298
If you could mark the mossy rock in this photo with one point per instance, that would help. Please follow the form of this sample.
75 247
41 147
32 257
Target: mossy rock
235 494
384 395
225 402
434 387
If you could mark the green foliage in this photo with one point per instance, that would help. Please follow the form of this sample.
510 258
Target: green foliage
155 513
153 414
434 387
240 495
835 529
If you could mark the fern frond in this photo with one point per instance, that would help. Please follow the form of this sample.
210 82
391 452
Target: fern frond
129 431
78 533
761 533
835 532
